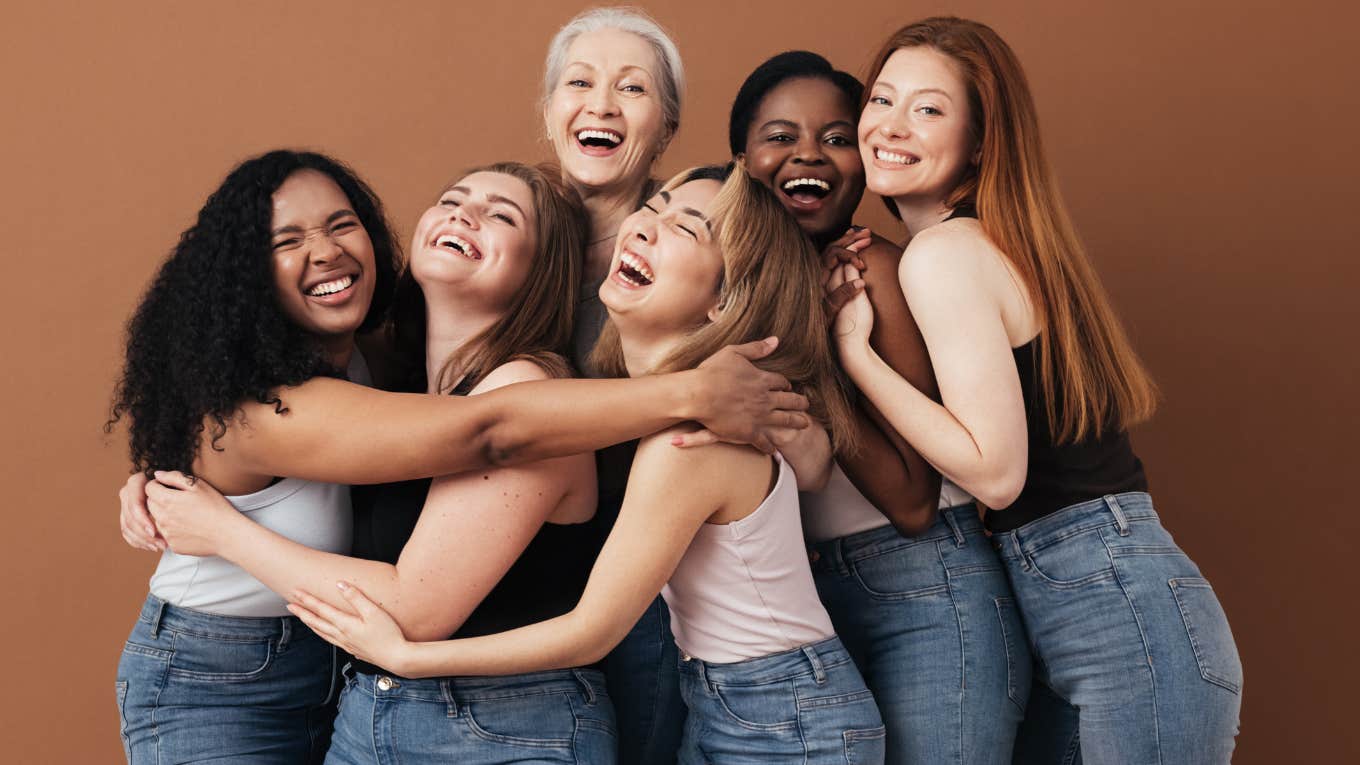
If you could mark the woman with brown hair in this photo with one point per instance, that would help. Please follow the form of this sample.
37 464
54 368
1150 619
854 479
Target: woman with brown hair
1038 386
711 259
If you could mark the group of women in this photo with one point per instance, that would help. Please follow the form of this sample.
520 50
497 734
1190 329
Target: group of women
790 565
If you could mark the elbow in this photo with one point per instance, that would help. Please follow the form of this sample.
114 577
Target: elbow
816 481
912 519
1000 492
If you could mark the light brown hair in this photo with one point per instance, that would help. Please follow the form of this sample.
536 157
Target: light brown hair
770 285
538 322
1089 374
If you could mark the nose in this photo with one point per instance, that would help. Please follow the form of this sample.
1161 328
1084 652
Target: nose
601 102
894 125
809 151
325 249
466 215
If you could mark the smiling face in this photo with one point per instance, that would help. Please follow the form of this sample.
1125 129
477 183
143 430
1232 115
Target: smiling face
322 257
478 240
801 143
667 264
604 116
914 133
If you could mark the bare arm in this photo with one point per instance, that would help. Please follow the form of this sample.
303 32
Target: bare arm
472 529
663 508
976 435
886 469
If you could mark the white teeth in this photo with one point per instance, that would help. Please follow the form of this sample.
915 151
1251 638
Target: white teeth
331 287
796 182
637 264
613 138
892 156
460 244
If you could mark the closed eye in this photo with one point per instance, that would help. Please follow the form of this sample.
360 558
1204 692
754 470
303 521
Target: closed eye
449 203
287 244
687 230
503 217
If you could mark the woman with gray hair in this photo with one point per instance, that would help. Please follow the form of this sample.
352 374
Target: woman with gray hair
612 88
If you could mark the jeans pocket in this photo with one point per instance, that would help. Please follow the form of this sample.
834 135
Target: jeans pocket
220 659
1019 670
769 706
866 747
120 692
1072 561
1206 625
902 573
540 720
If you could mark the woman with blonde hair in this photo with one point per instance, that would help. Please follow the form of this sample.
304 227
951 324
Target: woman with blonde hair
710 259
1038 386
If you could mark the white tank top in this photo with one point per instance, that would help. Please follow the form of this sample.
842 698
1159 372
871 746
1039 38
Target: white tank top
839 510
744 589
311 513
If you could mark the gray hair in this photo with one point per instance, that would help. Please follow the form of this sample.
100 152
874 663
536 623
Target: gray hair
671 78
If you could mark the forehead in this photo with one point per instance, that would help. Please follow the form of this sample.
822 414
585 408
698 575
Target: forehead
697 194
484 183
305 194
805 100
921 67
611 50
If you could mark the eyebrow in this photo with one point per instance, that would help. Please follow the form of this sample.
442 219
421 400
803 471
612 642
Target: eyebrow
917 92
666 197
494 198
333 217
624 68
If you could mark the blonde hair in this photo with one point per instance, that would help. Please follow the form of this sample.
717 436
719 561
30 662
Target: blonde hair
1089 374
770 285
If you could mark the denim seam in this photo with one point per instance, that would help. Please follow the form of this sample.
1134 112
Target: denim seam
755 726
500 738
792 675
1145 550
1147 651
1190 582
160 654
225 638
963 656
841 699
226 677
1011 690
120 689
1099 576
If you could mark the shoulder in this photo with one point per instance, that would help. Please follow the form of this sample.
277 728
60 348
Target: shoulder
953 253
709 471
518 370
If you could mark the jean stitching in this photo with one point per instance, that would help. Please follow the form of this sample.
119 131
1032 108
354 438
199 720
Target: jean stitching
743 722
1147 651
226 677
538 743
1012 691
1204 672
963 652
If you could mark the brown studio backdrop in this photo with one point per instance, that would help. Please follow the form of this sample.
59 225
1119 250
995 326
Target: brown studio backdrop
1205 153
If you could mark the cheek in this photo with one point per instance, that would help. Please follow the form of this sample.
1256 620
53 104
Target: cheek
762 163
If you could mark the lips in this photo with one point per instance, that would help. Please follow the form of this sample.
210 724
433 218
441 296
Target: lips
806 192
886 157
455 243
598 141
634 270
335 289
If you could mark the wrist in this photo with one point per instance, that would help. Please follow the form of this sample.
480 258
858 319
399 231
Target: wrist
689 399
410 660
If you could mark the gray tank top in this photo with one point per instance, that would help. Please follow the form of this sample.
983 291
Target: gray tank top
311 513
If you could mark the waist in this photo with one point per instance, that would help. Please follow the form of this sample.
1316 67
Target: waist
161 615
958 525
1117 510
584 680
785 665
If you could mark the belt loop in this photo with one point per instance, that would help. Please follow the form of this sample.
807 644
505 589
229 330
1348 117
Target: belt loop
953 522
585 687
818 671
156 619
285 634
703 676
450 703
1118 512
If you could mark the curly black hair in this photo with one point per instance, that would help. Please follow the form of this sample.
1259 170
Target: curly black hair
789 65
210 334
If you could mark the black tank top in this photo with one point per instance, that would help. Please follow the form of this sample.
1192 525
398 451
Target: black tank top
1060 475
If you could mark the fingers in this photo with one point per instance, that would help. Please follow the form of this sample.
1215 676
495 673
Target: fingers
698 438
356 597
758 349
837 298
783 436
775 381
763 443
134 519
175 479
788 401
316 624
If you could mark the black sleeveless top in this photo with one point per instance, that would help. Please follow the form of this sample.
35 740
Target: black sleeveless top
545 582
1066 474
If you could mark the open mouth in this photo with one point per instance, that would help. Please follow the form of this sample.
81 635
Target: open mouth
806 191
634 270
333 287
598 140
895 158
459 245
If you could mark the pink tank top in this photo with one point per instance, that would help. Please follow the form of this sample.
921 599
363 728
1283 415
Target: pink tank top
744 589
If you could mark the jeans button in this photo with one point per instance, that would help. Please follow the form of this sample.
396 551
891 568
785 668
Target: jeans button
386 683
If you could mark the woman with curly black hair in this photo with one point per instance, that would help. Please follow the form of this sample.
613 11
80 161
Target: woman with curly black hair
234 374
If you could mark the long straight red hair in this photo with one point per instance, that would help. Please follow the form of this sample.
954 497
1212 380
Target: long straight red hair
1091 377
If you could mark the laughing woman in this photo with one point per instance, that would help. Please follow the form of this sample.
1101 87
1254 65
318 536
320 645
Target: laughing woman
231 374
900 580
710 259
1038 386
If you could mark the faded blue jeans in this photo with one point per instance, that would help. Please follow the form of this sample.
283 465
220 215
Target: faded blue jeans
197 687
932 624
808 706
645 687
559 716
1125 628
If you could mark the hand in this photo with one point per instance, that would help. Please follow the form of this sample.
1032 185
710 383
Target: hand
854 320
370 633
842 252
139 530
192 516
745 404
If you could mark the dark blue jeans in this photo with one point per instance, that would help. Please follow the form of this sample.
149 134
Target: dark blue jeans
645 687
931 621
1125 627
196 687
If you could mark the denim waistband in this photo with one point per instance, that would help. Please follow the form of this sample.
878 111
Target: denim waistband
1117 510
811 659
447 690
164 616
953 524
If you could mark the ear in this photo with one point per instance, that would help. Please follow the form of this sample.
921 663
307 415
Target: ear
664 143
715 312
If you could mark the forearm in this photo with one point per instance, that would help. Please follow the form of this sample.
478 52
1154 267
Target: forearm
570 640
892 475
809 454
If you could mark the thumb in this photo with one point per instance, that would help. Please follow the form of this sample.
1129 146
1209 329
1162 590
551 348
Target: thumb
174 479
757 349
356 597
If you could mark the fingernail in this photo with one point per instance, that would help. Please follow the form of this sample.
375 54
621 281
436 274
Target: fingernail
772 341
342 585
677 441
859 284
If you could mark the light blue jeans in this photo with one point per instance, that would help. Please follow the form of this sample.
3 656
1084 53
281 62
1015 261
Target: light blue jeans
808 706
196 687
932 624
560 716
1125 628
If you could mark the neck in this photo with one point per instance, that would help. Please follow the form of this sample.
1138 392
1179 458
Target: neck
449 326
607 208
644 351
339 349
919 214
